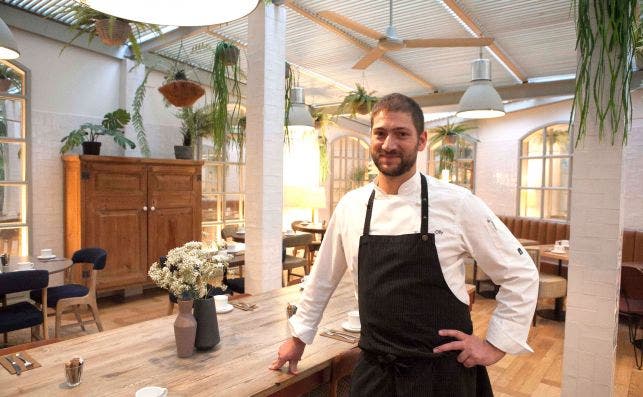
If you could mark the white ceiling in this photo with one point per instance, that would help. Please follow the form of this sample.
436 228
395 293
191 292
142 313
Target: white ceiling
537 36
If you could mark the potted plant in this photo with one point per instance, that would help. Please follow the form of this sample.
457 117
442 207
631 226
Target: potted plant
179 91
8 78
226 90
322 121
448 135
190 272
112 31
357 101
88 133
194 123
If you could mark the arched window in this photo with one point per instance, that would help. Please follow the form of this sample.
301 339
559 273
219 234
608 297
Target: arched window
350 166
13 161
545 173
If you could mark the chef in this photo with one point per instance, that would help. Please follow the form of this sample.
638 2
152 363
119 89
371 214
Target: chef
404 239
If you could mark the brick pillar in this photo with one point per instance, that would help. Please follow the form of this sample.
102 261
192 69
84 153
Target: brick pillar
596 233
264 146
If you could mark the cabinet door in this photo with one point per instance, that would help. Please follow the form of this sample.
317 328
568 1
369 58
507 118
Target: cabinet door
115 220
175 194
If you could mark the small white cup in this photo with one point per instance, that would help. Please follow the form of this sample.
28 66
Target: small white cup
353 319
151 391
25 266
46 252
221 301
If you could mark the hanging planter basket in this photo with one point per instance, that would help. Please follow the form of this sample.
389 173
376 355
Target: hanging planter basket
4 85
112 32
230 56
362 109
182 93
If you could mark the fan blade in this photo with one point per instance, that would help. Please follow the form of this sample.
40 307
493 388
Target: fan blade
350 24
463 42
369 58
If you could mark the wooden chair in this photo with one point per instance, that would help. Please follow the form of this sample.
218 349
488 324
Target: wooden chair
91 260
549 285
631 307
291 262
24 314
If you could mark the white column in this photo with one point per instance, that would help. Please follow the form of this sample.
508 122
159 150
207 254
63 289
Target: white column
596 232
264 145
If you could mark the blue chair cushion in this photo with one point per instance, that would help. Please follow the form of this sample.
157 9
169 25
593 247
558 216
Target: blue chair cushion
18 316
236 285
54 294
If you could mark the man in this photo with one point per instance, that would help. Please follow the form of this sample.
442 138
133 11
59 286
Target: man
404 239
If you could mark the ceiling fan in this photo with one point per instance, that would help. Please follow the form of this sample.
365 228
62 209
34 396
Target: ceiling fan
392 42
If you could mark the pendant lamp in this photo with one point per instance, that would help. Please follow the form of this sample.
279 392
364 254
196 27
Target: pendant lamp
173 12
8 45
299 115
480 100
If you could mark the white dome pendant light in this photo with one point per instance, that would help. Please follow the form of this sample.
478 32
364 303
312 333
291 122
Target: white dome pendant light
480 100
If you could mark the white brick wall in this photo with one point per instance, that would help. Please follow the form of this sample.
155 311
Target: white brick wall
264 157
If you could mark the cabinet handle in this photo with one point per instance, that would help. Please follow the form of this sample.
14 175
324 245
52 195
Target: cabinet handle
145 208
152 208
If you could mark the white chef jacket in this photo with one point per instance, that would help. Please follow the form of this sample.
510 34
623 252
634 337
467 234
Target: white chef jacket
463 227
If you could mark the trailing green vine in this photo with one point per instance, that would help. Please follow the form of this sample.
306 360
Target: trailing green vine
222 118
137 118
605 49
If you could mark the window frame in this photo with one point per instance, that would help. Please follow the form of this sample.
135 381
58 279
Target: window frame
545 157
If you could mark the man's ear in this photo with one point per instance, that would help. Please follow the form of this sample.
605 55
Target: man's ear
422 142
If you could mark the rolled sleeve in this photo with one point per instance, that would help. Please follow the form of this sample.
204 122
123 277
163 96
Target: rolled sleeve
507 264
328 269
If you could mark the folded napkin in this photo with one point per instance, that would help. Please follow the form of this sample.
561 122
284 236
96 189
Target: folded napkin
7 365
341 336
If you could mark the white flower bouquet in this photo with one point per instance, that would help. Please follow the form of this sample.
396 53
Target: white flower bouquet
191 270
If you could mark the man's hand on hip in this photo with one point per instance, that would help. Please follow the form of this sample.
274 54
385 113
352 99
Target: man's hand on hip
473 350
291 351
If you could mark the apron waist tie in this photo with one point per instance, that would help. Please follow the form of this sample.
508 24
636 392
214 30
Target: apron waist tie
398 365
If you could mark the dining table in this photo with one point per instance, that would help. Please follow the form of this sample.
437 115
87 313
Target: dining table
53 265
120 361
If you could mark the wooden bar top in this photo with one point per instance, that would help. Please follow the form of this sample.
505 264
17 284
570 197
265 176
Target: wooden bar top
120 361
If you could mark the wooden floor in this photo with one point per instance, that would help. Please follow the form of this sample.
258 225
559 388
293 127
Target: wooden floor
537 374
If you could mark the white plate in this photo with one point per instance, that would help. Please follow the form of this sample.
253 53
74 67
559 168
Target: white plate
349 328
46 256
553 251
225 309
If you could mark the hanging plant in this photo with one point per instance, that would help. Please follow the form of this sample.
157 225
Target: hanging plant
112 31
448 134
322 121
8 78
179 91
289 84
137 118
605 48
357 101
222 116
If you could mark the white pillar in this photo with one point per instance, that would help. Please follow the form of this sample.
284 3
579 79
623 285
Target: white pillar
264 145
596 234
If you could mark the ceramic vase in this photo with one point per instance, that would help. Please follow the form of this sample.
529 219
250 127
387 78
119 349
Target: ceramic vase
185 329
207 326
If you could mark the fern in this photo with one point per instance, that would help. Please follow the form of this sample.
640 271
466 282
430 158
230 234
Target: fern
137 119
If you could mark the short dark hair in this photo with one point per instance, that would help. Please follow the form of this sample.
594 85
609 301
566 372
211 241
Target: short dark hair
400 103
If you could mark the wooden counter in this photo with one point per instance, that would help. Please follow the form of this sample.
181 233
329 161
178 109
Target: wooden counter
120 361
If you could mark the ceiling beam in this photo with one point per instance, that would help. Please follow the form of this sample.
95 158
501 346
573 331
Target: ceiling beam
497 51
316 19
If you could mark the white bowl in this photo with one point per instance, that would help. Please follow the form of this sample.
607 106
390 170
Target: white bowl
151 391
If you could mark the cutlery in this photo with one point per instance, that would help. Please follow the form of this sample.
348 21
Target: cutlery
349 338
243 306
13 364
24 360
340 333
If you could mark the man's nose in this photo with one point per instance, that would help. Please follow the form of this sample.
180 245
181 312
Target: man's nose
389 143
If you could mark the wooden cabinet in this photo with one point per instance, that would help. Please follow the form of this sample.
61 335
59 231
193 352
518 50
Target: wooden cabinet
136 209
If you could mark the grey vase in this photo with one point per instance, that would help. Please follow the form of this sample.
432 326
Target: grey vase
207 326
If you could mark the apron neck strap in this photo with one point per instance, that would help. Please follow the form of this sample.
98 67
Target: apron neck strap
424 227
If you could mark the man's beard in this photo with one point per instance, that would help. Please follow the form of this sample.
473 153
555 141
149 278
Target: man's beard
406 162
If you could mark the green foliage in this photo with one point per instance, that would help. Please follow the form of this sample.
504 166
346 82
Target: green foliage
450 129
322 121
84 19
194 123
289 84
222 117
137 118
605 48
112 125
7 73
357 101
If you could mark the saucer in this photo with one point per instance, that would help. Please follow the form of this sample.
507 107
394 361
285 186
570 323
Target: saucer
52 256
349 328
554 251
225 309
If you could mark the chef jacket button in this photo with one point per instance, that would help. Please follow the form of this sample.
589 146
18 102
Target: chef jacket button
425 237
